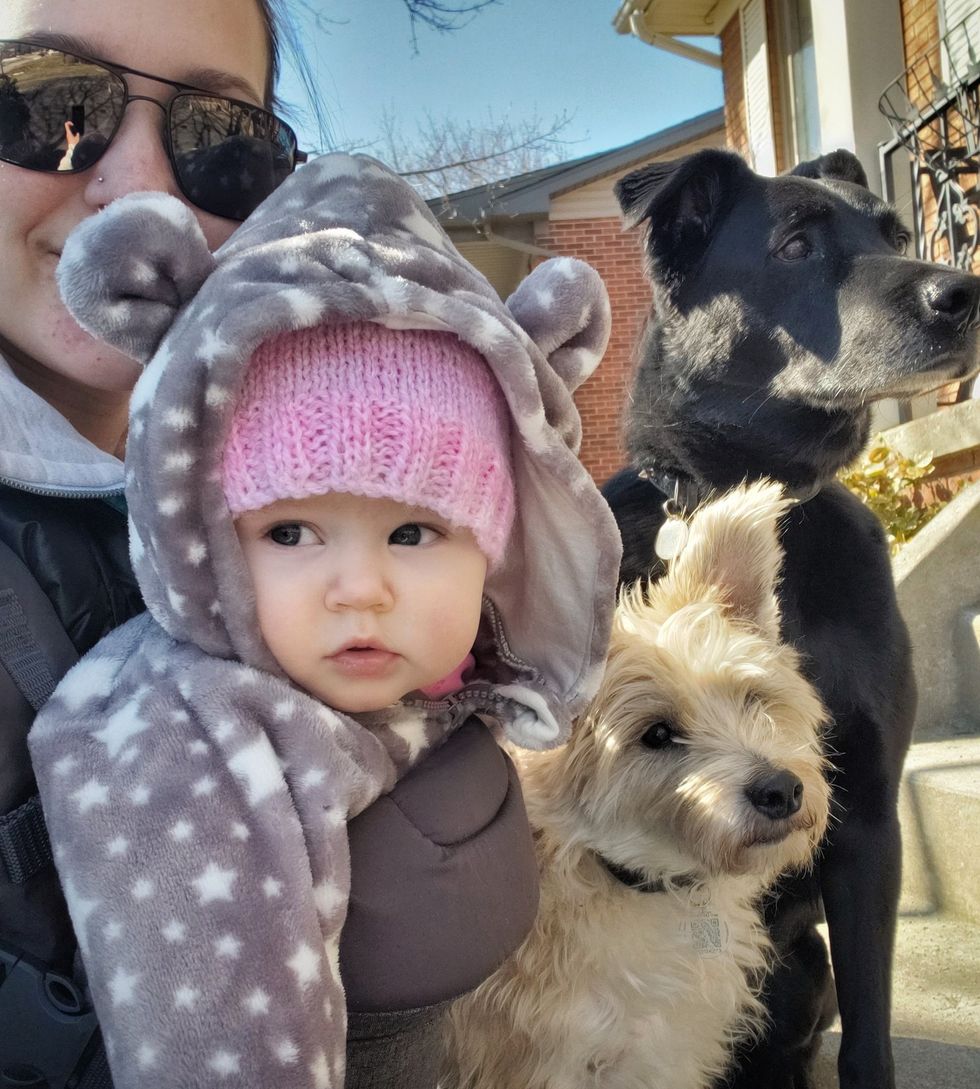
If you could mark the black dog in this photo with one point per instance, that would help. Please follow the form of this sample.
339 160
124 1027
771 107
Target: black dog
783 307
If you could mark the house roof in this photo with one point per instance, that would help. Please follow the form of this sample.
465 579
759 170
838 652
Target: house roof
530 194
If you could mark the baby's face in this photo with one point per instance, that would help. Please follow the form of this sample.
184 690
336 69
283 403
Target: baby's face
362 601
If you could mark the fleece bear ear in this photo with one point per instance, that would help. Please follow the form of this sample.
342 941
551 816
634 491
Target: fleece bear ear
126 272
564 308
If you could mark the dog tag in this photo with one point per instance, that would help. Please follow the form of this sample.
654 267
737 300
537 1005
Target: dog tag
671 539
706 931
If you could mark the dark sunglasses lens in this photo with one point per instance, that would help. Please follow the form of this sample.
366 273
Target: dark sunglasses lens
228 156
57 112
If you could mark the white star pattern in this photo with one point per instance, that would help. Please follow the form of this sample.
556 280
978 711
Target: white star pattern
284 709
256 765
305 965
224 1063
211 346
272 888
122 987
197 748
256 1002
224 730
122 726
214 884
143 889
239 831
227 946
139 795
216 395
313 777
93 793
205 786
146 1056
92 677
174 931
196 553
287 1052
186 997
65 765
117 846
411 729
328 898
181 831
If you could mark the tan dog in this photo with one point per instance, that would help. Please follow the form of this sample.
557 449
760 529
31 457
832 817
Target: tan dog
693 780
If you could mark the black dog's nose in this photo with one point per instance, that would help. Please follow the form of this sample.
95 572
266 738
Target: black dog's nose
776 796
955 298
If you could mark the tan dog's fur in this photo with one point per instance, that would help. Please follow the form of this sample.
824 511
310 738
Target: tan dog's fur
622 989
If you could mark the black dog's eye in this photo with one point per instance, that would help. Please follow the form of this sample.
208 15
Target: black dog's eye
658 736
795 249
902 241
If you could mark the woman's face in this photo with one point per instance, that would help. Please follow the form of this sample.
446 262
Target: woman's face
217 44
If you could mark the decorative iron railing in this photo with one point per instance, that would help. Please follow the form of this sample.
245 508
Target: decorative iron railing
933 109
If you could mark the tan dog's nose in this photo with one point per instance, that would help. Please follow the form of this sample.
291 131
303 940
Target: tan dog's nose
778 795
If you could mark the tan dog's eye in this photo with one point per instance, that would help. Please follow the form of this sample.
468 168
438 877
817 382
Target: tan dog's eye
659 736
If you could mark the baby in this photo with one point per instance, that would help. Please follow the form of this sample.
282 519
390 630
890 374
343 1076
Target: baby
362 535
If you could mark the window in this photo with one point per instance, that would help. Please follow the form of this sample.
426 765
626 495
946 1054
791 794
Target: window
801 70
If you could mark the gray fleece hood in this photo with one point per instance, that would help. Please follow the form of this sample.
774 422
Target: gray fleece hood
346 240
197 800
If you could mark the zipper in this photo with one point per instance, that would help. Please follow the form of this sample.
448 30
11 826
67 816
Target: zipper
80 492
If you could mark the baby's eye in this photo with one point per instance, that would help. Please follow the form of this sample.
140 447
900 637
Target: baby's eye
412 534
290 534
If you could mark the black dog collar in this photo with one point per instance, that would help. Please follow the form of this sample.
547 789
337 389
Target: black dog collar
684 493
634 880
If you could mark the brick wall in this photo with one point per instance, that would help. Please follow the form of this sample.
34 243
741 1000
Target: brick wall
736 119
920 26
617 256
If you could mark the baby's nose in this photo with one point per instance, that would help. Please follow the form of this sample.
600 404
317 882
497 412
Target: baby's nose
358 584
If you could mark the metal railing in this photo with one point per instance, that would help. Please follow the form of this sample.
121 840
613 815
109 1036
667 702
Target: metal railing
933 109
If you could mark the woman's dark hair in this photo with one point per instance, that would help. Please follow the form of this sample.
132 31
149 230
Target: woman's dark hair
275 26
282 37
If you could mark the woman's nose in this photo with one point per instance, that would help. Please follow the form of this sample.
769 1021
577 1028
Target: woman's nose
135 161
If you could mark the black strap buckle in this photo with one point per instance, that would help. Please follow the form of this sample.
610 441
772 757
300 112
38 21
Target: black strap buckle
47 1026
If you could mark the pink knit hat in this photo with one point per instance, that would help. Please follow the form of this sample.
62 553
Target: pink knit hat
406 414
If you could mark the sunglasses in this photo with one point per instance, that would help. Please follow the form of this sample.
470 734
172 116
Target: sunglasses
60 111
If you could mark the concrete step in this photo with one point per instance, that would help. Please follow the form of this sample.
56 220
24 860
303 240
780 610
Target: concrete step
939 807
935 1007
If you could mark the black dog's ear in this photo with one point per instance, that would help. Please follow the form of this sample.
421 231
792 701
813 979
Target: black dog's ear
683 202
839 165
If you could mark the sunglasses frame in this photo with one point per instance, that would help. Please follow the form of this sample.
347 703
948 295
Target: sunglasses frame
184 90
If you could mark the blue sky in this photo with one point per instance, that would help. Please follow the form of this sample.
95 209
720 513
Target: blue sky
519 58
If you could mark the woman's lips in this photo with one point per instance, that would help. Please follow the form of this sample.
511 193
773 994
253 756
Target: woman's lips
363 661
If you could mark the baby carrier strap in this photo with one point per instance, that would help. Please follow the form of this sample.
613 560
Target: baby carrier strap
50 1034
24 845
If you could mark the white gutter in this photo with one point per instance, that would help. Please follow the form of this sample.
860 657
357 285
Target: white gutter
512 243
631 19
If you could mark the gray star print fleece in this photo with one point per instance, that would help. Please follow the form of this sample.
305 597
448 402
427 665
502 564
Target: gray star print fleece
197 800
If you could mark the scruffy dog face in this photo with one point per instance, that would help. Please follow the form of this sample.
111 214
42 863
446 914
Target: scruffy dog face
701 753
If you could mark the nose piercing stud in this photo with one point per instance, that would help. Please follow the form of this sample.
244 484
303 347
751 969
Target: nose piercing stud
100 179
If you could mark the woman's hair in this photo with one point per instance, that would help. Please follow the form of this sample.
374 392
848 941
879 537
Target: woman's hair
282 37
276 29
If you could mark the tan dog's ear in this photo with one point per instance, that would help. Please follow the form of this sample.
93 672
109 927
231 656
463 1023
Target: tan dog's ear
126 272
733 550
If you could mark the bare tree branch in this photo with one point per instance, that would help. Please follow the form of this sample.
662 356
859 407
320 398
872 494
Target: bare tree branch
436 14
445 155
